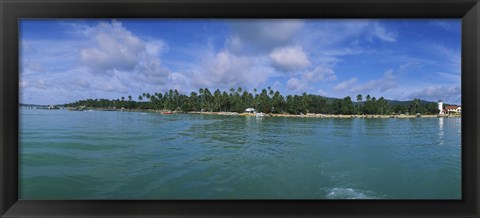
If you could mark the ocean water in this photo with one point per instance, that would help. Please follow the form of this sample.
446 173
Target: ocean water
129 155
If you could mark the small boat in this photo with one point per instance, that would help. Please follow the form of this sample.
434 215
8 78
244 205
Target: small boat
167 112
418 115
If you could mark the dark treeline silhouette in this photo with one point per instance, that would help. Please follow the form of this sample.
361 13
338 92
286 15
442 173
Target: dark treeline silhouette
266 101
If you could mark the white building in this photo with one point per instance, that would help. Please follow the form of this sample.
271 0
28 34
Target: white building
440 107
453 109
250 110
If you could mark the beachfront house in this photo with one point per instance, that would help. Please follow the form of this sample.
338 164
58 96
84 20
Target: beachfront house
250 110
453 109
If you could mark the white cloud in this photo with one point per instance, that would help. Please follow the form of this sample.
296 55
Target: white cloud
452 56
289 59
180 81
155 47
116 48
411 64
309 78
322 93
277 85
39 84
29 68
343 37
379 31
101 61
449 60
113 86
345 84
23 84
296 85
262 35
128 61
81 83
150 70
448 94
25 46
295 55
343 51
453 77
333 33
33 66
388 81
448 25
227 70
320 73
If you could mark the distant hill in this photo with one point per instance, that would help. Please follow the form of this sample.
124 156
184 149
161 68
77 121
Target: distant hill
395 102
329 99
35 105
391 102
32 105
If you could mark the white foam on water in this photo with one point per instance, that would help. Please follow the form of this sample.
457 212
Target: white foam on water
350 193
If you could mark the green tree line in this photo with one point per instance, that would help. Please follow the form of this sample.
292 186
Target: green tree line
266 101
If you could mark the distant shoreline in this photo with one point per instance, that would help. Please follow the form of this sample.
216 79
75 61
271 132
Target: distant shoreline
308 115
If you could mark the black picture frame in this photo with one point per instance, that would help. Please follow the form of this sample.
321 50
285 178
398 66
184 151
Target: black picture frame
12 10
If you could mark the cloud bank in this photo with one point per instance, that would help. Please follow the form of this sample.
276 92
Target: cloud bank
115 58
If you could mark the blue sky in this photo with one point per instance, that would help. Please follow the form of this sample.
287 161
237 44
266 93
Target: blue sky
68 60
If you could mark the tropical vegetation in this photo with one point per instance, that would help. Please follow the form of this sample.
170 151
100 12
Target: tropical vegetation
266 101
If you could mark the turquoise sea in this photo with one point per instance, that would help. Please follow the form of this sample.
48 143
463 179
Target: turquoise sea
132 155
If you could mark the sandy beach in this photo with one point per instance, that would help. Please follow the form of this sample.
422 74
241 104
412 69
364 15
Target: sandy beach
311 115
308 115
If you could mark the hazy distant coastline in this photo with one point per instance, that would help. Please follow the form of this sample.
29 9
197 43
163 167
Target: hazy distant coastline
267 101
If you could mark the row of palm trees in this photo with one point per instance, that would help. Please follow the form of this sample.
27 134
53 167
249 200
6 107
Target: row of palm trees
267 101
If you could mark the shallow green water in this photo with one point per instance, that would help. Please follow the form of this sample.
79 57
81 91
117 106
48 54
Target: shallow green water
127 155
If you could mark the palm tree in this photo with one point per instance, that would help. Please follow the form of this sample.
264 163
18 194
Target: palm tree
225 101
359 106
277 102
255 98
202 95
176 96
194 101
415 106
239 90
208 99
359 97
217 100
